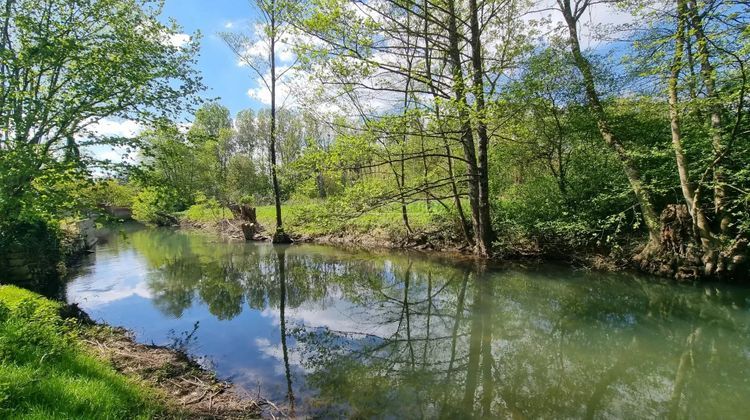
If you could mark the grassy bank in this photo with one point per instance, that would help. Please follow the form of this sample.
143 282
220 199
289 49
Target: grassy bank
46 373
314 220
56 368
432 228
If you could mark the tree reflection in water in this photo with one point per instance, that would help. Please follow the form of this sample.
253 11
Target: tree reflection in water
281 257
426 338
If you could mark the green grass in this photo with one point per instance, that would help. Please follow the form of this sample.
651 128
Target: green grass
45 373
314 218
206 212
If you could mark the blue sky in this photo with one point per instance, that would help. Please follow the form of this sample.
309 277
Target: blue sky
222 75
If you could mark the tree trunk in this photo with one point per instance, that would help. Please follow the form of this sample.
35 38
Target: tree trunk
709 80
633 174
700 222
467 136
485 234
449 154
280 236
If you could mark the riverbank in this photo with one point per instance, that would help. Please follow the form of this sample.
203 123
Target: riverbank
430 232
432 229
56 363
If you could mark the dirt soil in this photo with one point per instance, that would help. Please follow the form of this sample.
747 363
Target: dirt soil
191 391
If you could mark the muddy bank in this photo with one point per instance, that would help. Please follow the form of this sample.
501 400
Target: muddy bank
190 390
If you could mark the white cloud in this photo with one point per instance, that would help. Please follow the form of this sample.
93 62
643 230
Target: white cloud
229 25
263 95
259 50
107 127
115 278
177 40
115 128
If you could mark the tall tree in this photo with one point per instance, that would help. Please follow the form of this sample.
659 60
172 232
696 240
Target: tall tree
572 14
705 83
273 32
66 65
374 49
212 132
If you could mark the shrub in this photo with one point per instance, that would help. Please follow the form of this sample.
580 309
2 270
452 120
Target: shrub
152 206
207 210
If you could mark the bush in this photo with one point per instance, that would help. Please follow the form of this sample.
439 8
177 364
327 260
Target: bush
153 206
207 210
36 246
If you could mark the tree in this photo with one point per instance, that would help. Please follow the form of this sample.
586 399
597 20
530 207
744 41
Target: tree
213 134
247 138
65 65
697 54
274 29
572 14
434 67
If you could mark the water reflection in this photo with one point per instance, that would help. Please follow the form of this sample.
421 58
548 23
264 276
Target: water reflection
336 333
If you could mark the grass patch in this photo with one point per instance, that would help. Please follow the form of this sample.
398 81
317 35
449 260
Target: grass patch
313 218
206 212
45 373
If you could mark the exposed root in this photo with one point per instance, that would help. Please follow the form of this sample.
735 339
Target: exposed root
680 256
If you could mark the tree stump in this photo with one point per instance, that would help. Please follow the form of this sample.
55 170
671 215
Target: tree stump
249 220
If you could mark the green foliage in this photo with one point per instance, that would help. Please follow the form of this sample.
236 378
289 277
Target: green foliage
37 188
153 205
67 65
111 192
173 164
246 182
206 210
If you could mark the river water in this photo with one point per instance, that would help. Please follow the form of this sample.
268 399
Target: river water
332 332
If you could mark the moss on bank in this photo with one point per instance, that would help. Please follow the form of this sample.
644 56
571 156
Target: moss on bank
55 368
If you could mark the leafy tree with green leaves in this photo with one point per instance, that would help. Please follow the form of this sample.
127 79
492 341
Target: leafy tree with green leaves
66 65
274 29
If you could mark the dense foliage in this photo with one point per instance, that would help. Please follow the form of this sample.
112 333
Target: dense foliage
446 120
65 67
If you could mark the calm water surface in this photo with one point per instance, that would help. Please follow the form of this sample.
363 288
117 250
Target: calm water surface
332 332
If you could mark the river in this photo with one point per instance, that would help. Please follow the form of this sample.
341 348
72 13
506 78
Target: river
335 332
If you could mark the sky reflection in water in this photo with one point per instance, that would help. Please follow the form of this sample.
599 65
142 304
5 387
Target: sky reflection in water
327 331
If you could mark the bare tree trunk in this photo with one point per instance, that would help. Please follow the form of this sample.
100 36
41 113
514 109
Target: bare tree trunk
467 135
454 187
457 198
485 234
404 210
279 236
